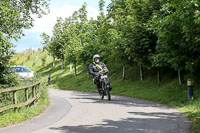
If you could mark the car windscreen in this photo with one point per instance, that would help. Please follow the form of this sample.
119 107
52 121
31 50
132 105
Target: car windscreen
20 69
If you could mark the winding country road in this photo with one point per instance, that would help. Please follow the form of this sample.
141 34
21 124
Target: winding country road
79 112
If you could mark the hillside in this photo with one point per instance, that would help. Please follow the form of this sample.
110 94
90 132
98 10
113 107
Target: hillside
167 92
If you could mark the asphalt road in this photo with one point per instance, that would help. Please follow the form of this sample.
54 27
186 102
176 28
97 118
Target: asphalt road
78 112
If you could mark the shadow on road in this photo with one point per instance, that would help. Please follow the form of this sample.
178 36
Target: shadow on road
139 122
130 125
119 100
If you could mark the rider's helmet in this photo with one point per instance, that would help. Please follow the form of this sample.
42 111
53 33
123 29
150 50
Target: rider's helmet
96 56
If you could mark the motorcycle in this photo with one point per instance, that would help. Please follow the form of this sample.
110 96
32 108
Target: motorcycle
105 85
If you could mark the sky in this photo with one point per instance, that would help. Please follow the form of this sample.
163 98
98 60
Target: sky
58 8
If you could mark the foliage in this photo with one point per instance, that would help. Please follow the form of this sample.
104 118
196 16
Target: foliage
5 55
15 17
177 31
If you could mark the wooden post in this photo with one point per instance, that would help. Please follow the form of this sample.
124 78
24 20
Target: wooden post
38 87
141 73
26 94
180 79
123 74
88 73
15 99
75 74
53 61
62 63
158 75
71 65
33 93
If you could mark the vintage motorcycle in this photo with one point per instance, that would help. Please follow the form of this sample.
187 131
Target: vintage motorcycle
105 85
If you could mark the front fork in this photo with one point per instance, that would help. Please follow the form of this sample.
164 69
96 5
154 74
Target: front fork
107 84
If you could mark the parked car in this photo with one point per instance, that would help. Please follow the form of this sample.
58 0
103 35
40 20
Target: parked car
24 72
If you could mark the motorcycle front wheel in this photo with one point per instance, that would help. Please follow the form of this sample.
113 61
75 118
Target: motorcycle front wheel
101 95
108 93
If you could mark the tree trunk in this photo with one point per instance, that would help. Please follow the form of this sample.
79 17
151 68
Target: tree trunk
123 75
88 75
62 66
180 77
141 73
53 61
70 67
158 75
75 74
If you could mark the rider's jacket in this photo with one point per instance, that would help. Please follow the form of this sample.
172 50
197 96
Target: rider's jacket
96 68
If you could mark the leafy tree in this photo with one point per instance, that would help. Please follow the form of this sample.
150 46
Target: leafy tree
76 33
176 28
5 55
137 41
18 15
59 40
15 17
46 40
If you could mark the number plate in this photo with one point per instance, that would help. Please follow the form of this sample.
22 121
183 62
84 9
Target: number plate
104 76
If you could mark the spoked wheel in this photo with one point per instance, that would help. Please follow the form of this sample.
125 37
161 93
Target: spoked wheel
101 95
108 94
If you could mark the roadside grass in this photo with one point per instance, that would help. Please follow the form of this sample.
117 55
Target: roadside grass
168 92
11 117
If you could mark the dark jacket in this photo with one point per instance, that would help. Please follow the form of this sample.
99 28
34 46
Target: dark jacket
96 68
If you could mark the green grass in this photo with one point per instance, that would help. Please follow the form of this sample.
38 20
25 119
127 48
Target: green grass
11 117
168 92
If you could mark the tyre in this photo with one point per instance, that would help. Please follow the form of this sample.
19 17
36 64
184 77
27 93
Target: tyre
102 96
101 93
108 94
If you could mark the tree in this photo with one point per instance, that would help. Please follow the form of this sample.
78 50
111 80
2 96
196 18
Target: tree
77 35
15 17
58 34
137 41
18 15
46 40
176 29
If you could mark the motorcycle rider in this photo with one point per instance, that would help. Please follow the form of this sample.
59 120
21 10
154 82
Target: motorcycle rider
95 69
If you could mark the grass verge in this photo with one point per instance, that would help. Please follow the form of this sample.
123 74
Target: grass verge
11 117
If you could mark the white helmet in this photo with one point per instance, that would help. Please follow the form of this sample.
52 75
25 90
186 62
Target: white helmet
96 56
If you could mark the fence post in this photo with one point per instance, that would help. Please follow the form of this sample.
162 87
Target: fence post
190 84
38 88
26 94
33 93
49 79
15 99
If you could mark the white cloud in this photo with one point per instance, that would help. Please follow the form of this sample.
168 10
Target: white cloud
46 23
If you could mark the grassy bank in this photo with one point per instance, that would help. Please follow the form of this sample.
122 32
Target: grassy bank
168 92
